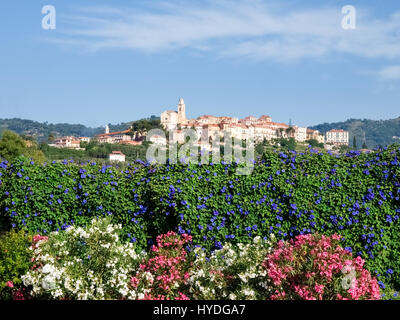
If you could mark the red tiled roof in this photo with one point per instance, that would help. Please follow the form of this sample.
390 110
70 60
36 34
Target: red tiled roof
112 133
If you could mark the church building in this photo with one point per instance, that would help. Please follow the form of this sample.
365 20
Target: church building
171 119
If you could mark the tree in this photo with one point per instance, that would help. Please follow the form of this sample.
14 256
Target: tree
354 142
364 146
13 146
289 144
342 149
315 144
50 138
259 148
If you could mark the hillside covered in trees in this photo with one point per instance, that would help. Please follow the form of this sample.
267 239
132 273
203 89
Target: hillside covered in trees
42 130
372 132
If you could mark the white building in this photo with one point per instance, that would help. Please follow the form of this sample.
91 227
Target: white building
337 137
157 139
315 135
114 137
67 142
116 156
84 139
300 134
170 119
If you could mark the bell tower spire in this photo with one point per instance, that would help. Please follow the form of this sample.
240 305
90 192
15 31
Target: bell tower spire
181 111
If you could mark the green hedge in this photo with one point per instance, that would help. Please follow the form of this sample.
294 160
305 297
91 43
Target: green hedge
356 196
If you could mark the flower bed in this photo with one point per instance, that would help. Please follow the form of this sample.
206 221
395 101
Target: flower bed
288 194
92 263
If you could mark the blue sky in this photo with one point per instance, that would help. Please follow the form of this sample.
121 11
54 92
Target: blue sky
116 61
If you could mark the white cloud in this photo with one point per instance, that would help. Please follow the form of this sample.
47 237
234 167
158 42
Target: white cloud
390 73
250 28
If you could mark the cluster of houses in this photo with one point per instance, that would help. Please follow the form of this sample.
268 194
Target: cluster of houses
210 128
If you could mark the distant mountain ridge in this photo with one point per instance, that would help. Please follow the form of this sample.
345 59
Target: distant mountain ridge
373 132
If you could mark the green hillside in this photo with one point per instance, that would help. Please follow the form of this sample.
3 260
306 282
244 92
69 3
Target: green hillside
42 130
372 132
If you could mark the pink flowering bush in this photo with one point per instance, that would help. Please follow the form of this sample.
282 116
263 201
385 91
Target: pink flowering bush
316 267
164 273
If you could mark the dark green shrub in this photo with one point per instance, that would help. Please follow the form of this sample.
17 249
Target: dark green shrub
15 261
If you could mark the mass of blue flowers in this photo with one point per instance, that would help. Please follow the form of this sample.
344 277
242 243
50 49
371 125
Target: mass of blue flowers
288 193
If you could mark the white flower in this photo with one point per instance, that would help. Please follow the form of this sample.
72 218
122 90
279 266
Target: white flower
257 240
48 268
27 279
48 282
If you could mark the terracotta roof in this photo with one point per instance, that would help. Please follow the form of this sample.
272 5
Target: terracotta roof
211 125
279 124
258 125
112 133
131 142
206 117
117 152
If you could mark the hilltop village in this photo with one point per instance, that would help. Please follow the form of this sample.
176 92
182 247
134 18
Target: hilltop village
208 129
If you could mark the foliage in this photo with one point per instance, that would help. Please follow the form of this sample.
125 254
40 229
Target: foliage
373 132
94 150
234 273
46 132
102 150
15 260
145 125
42 131
315 144
59 194
53 153
12 146
389 294
163 274
315 267
288 144
355 195
79 263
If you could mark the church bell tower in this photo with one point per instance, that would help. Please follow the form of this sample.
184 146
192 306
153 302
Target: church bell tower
181 111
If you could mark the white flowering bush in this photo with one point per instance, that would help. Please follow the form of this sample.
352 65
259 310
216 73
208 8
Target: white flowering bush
232 273
83 263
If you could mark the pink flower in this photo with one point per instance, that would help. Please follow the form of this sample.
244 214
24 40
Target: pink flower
10 284
319 288
317 259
